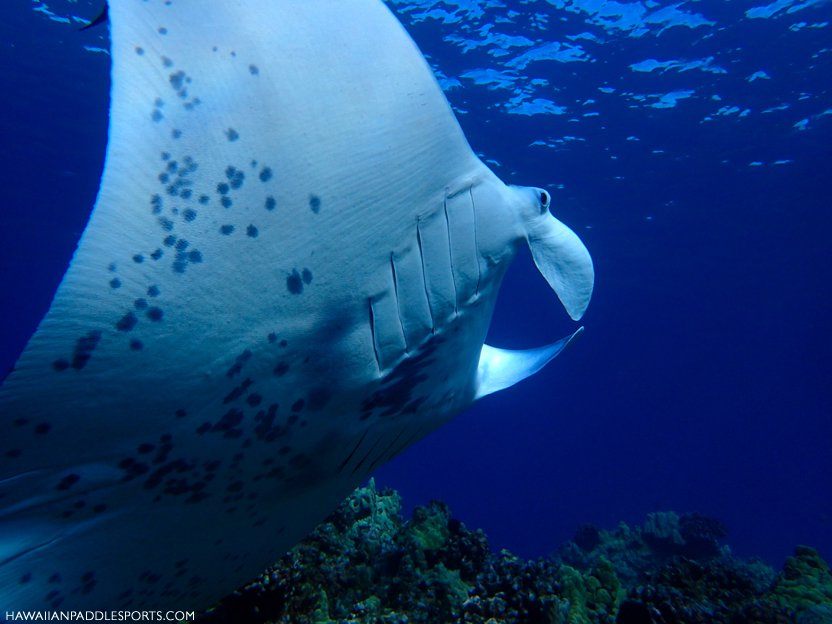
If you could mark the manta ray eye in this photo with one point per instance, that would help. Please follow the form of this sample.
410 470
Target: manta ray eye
544 201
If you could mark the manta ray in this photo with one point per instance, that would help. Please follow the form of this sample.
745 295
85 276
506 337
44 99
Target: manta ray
286 280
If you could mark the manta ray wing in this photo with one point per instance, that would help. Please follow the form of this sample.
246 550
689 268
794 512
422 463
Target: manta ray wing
169 429
287 278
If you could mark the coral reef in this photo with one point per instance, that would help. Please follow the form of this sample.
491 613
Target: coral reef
366 565
805 585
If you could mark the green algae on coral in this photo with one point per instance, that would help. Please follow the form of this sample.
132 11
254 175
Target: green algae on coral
804 582
587 598
429 528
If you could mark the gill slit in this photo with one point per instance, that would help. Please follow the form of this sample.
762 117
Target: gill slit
385 449
425 275
451 255
398 302
405 444
476 240
349 457
363 459
373 333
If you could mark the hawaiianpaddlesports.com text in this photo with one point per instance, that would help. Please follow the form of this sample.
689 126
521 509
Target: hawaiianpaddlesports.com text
100 616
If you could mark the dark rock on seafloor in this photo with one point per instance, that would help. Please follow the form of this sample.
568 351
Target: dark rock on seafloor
366 565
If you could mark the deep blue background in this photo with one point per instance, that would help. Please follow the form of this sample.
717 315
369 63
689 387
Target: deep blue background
702 382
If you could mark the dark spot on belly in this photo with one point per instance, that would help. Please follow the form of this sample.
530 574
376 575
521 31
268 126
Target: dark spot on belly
84 348
127 322
235 177
237 392
254 399
315 203
177 79
281 369
239 362
68 481
319 397
294 283
396 395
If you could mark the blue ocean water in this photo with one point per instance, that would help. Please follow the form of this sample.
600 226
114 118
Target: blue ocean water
688 143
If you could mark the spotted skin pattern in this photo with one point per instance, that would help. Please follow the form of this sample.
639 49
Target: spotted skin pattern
273 297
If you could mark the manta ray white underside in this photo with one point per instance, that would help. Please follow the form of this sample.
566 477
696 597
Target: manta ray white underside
287 278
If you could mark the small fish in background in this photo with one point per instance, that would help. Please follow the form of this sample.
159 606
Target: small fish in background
287 279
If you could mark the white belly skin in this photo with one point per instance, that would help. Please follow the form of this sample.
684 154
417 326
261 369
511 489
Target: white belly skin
287 279
207 490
